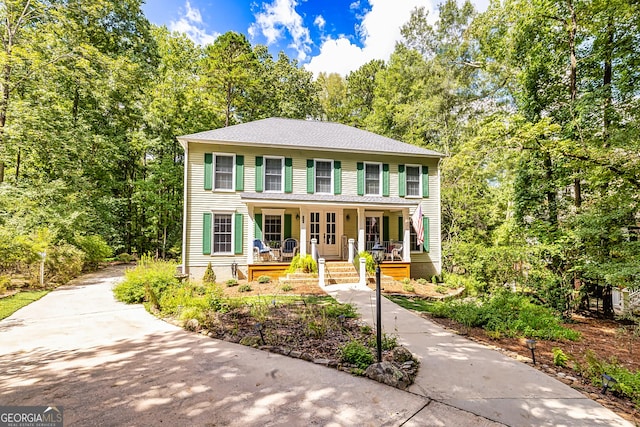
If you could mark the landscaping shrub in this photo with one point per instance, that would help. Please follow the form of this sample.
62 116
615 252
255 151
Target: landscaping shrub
628 383
231 282
559 358
264 279
305 264
356 353
124 257
370 264
157 274
336 310
408 286
286 287
422 281
209 275
95 249
245 288
63 263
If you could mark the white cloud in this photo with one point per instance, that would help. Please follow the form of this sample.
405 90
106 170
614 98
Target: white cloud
379 31
278 17
319 22
190 23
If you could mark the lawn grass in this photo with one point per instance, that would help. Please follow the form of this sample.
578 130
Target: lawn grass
11 304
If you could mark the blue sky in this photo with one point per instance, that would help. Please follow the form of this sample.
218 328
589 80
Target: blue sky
323 35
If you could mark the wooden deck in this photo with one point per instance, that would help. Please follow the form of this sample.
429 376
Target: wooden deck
397 269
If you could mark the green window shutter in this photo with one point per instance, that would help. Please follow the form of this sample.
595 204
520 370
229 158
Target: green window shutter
402 181
385 229
238 232
385 179
400 228
287 226
208 171
425 181
310 177
239 173
259 173
425 234
288 175
206 233
337 177
360 167
257 234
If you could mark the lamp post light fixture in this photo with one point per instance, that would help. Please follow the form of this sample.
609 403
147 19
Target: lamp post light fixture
378 255
607 381
531 345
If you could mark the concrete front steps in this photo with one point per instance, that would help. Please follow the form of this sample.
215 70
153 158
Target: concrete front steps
336 272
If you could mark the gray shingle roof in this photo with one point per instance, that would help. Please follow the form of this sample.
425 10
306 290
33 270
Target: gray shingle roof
328 198
308 134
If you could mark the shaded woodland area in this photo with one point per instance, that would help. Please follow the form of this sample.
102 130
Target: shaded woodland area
536 104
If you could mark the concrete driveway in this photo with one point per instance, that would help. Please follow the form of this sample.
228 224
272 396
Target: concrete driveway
111 364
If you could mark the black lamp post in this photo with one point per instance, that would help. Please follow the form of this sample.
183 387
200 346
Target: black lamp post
531 345
378 255
607 381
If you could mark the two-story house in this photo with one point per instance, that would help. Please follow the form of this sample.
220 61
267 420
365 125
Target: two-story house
254 191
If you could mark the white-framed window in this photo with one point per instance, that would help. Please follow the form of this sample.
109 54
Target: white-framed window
373 224
223 171
373 179
324 176
413 180
274 174
273 230
413 238
222 233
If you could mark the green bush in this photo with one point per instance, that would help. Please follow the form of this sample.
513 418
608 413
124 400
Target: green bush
356 353
305 264
231 282
336 310
286 287
408 287
95 249
422 281
209 275
559 358
245 288
157 274
370 264
124 257
387 342
63 263
264 279
628 383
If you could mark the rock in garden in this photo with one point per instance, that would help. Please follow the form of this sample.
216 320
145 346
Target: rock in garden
388 373
401 354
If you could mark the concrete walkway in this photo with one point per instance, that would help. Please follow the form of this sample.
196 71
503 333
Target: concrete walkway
111 364
463 374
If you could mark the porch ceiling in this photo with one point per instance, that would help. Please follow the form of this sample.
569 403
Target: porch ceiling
327 199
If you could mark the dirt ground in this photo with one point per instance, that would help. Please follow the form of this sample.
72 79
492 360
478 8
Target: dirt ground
607 338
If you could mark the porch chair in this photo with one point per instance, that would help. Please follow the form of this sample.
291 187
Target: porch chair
396 251
289 248
261 250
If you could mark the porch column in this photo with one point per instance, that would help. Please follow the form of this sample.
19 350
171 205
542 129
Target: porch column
250 234
304 219
362 244
351 247
406 239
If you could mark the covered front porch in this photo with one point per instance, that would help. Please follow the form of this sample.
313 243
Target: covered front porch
336 228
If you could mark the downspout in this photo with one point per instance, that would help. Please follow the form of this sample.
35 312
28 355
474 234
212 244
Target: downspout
185 202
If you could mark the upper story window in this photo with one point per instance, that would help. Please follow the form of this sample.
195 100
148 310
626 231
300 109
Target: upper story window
223 172
413 178
273 174
324 172
372 174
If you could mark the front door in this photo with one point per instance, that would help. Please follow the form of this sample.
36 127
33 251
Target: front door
324 228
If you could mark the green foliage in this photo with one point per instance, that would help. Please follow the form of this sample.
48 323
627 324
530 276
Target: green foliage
370 264
245 288
305 264
95 249
422 281
232 282
10 305
336 310
264 279
286 287
628 382
355 353
209 275
63 263
408 287
388 342
158 275
441 289
124 257
559 357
